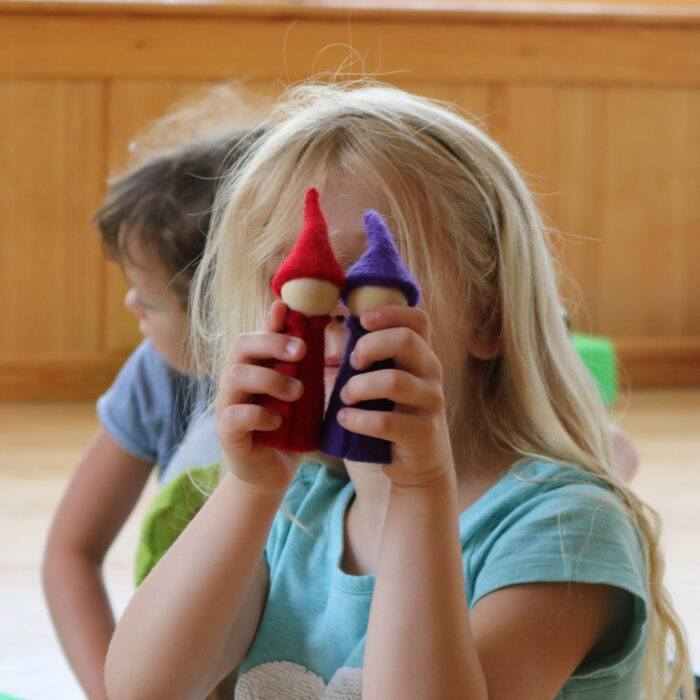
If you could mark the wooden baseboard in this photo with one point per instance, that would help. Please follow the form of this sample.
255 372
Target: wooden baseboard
659 362
644 362
81 377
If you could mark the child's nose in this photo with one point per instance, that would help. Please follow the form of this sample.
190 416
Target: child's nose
339 313
336 335
131 302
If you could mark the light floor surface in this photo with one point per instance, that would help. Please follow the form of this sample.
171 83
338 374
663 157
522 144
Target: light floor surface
41 443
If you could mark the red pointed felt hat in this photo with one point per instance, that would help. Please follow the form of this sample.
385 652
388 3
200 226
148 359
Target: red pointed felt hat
312 255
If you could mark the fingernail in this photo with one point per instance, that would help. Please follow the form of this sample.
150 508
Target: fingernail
353 359
344 395
292 347
369 317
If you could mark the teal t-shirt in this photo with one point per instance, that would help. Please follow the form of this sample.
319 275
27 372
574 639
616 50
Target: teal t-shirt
541 522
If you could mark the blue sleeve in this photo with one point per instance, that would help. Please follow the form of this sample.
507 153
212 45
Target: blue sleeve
576 533
140 409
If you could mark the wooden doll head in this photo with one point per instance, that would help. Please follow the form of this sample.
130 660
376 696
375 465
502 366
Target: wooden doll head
311 297
362 299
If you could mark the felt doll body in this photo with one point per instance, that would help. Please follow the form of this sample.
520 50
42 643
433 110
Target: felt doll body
309 281
379 278
300 419
337 441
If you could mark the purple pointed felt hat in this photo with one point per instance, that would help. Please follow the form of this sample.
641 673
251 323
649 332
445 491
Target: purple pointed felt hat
380 265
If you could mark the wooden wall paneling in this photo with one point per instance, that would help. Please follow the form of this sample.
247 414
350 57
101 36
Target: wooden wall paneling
523 119
58 377
644 221
474 99
51 137
613 168
601 112
131 105
82 163
220 46
236 103
478 101
548 145
686 132
576 207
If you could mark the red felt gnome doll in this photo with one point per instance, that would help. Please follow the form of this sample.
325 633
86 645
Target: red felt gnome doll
309 281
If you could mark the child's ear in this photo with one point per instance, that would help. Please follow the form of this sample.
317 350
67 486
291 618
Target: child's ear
485 345
485 342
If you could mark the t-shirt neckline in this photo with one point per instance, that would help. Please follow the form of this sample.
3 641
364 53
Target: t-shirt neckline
336 524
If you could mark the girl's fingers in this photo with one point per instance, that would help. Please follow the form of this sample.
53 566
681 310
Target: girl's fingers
398 386
240 382
396 317
406 430
408 348
238 421
270 343
275 317
246 375
265 345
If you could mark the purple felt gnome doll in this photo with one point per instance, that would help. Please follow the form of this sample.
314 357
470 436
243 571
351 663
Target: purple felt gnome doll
378 278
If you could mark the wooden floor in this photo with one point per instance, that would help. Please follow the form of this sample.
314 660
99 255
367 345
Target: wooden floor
40 444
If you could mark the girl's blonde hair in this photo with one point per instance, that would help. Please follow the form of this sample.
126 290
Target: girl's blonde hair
466 225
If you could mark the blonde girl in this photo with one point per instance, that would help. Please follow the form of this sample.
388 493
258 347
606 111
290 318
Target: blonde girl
498 555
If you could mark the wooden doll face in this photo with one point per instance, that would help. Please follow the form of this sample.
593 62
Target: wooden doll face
309 296
363 299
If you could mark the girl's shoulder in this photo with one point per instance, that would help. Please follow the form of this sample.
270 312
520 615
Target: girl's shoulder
534 482
550 522
559 499
542 471
546 521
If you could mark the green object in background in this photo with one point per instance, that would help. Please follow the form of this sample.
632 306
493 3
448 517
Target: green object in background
169 513
598 354
5 696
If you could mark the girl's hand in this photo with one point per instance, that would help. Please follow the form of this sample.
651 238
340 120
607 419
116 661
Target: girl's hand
265 468
417 426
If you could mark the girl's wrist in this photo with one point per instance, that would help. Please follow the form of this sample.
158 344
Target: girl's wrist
263 492
440 479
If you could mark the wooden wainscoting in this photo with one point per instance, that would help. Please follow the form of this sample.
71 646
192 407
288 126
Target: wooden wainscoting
598 104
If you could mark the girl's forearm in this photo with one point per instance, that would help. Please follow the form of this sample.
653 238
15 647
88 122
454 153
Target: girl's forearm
172 635
81 614
419 641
